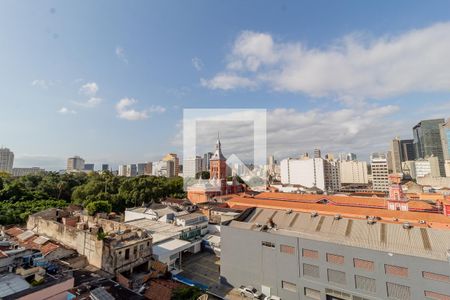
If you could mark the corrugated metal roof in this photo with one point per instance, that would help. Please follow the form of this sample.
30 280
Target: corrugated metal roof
424 242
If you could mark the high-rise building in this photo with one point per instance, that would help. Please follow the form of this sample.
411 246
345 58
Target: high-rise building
105 167
165 168
332 175
407 150
148 170
176 162
307 172
317 153
380 172
445 138
88 167
427 167
75 164
205 162
192 166
131 170
353 172
427 141
351 156
140 169
6 160
396 159
122 171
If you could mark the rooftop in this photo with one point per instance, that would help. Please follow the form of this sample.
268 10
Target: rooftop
394 238
423 219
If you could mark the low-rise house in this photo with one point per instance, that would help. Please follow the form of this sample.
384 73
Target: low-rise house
108 245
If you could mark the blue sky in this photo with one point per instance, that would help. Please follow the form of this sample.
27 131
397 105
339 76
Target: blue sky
108 80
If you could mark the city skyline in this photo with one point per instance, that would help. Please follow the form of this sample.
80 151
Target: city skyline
92 89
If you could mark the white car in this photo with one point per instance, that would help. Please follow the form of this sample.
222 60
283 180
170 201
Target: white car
272 298
249 291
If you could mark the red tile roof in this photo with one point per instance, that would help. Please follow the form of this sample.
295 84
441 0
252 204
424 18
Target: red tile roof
432 219
344 200
13 231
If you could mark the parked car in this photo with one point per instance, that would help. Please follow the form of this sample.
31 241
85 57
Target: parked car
272 298
250 292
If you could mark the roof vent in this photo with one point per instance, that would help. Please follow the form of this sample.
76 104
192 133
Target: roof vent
371 220
337 217
314 214
422 222
407 225
289 211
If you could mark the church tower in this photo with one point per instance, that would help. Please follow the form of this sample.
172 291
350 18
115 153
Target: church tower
218 167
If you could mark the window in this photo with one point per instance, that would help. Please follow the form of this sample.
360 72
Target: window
336 276
335 259
311 270
396 270
310 253
135 250
268 244
313 294
127 253
365 284
363 264
287 249
436 296
289 286
437 277
398 291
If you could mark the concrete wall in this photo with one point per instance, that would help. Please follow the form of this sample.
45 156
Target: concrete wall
244 261
434 181
82 241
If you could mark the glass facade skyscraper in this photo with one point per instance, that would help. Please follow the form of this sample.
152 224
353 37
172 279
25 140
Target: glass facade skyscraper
428 142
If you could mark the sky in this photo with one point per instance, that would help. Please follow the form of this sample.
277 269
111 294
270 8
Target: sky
109 80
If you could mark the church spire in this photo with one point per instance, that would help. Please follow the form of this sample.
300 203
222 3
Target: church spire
218 153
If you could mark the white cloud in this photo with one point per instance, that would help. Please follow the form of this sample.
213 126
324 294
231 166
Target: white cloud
124 110
360 129
90 103
120 53
228 81
42 83
197 63
353 67
66 111
89 89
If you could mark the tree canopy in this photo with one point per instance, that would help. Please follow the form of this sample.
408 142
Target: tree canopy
21 196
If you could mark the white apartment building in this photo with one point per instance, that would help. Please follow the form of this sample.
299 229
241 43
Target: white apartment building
18 172
353 172
131 170
192 166
164 168
75 164
332 175
380 172
6 160
122 170
307 172
427 167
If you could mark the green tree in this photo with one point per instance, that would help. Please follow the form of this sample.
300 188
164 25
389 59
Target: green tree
98 206
186 293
